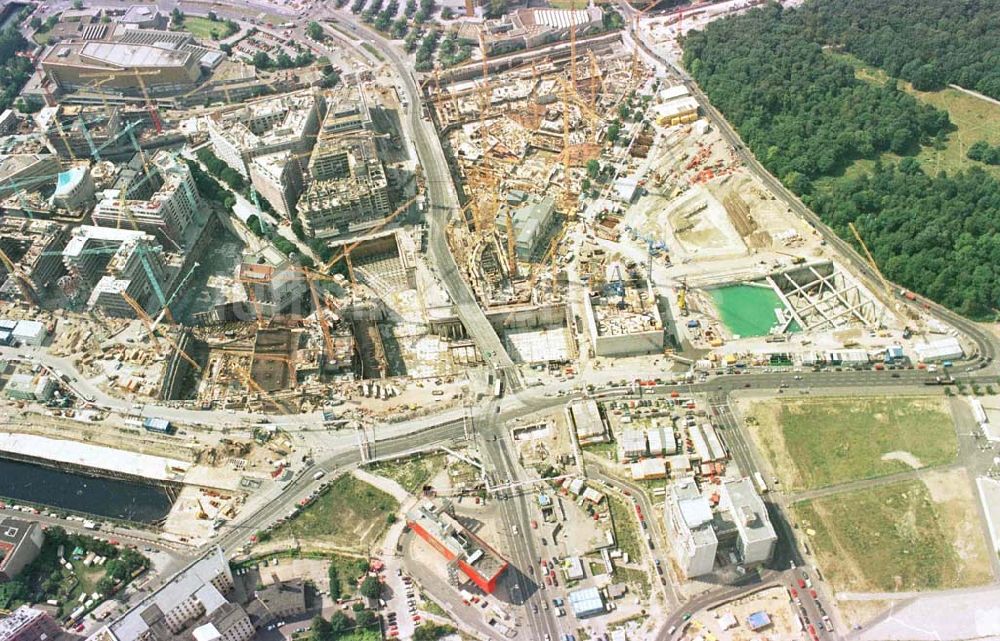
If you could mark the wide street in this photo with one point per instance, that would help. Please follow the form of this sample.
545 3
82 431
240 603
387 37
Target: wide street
490 416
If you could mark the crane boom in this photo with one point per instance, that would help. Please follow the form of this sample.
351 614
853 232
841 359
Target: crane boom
143 316
871 261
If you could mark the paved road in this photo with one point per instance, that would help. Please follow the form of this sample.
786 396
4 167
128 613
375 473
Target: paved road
985 342
442 203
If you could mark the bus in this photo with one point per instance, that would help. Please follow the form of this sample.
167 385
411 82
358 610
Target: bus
498 388
758 480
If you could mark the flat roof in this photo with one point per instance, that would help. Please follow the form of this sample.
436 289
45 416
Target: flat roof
587 418
460 541
748 511
134 55
93 456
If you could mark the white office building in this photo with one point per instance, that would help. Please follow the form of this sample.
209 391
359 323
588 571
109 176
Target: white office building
689 519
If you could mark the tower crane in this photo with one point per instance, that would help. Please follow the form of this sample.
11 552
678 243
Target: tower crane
143 316
878 272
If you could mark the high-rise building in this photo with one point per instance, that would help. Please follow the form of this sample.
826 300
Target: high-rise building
739 523
757 537
266 140
33 246
167 214
104 262
689 520
349 191
272 281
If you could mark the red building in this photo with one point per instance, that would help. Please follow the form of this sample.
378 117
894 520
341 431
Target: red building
478 561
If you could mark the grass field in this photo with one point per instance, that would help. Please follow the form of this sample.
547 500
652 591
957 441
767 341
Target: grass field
900 536
627 533
413 473
202 28
351 515
975 119
823 441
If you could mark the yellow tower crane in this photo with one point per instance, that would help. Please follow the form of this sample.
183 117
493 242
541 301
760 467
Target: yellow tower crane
878 272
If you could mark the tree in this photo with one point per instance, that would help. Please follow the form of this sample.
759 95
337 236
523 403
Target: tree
371 587
35 23
340 623
399 28
336 590
226 48
593 168
447 13
28 106
262 61
212 16
322 630
431 631
176 17
978 150
614 129
365 619
78 4
315 31
496 9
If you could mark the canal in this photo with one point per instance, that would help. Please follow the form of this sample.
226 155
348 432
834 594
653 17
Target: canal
109 498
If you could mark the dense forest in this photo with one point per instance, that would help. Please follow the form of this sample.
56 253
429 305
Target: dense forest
928 42
938 235
803 113
14 69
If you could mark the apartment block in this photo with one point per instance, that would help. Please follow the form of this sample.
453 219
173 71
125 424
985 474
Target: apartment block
28 624
169 211
192 605
103 262
349 191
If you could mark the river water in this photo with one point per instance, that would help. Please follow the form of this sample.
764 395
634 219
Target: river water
81 493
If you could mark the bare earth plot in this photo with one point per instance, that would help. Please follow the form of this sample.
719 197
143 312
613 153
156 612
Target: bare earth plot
818 442
910 535
351 515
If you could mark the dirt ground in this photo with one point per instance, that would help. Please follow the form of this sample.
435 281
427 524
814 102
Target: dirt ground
775 602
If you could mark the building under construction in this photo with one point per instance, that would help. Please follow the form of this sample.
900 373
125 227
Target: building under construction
622 314
30 257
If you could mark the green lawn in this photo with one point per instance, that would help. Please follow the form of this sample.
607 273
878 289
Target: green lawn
823 441
638 579
626 529
351 514
895 537
203 28
607 451
974 119
412 473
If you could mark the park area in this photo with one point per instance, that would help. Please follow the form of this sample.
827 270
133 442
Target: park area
349 515
910 535
68 566
817 442
205 30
